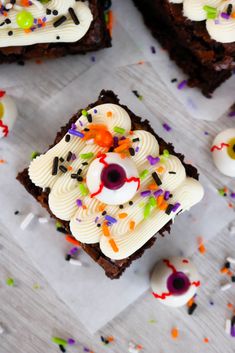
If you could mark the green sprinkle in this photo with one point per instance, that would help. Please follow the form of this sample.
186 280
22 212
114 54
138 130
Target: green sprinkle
211 16
59 341
221 192
34 154
143 174
152 201
209 9
84 112
166 153
119 130
86 155
59 224
36 286
83 189
152 321
147 210
10 282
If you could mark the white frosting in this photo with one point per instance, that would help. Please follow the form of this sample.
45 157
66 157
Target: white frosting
65 190
222 159
162 272
8 115
220 29
68 31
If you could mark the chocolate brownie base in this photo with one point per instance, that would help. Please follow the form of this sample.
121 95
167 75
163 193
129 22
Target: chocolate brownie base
113 269
96 38
207 62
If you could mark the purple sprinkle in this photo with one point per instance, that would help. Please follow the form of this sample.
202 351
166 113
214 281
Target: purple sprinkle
73 251
153 49
95 111
93 59
80 122
73 157
39 26
167 195
158 192
44 19
35 21
166 127
137 149
96 219
73 127
110 219
216 22
176 206
123 138
233 331
71 341
232 195
76 133
145 193
86 349
231 114
78 220
225 15
182 84
79 202
153 160
206 133
115 141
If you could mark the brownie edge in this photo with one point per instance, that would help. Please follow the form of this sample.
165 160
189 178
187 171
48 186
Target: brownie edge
113 268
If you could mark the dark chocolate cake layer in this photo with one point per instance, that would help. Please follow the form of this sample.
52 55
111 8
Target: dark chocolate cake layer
207 62
113 269
96 38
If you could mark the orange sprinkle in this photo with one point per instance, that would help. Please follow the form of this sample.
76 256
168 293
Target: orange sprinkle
121 142
70 168
132 225
160 200
105 230
122 147
71 240
141 62
202 248
230 205
123 155
163 206
230 305
229 273
113 245
109 114
101 207
160 169
153 186
122 215
206 340
131 132
174 333
84 207
233 15
190 302
97 127
2 161
110 338
27 31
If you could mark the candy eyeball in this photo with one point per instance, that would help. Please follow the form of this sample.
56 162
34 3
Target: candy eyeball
112 180
223 152
8 114
174 281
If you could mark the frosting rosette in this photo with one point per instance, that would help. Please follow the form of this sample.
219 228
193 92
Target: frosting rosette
110 182
218 14
32 21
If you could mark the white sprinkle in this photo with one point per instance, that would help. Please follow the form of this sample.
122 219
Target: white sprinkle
228 326
90 142
28 219
231 260
1 330
75 262
8 6
226 287
42 220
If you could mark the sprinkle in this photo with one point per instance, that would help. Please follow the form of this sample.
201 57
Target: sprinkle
59 22
192 308
122 215
55 166
10 282
72 240
161 169
76 133
147 210
153 49
156 178
73 251
83 189
206 340
75 262
153 160
73 16
176 206
158 192
119 130
71 341
152 201
224 15
131 151
132 225
63 169
182 84
79 202
174 333
109 114
152 187
143 174
63 350
228 326
28 219
67 138
145 193
166 153
166 127
136 93
167 195
201 248
86 155
110 219
136 139
169 209
226 287
171 172
34 154
113 245
59 341
42 220
105 230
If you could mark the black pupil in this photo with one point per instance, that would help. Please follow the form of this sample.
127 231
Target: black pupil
233 148
178 283
113 176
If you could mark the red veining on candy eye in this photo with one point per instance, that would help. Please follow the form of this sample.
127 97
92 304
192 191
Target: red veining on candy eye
185 261
162 296
219 147
4 128
167 262
102 159
196 284
98 191
2 94
137 180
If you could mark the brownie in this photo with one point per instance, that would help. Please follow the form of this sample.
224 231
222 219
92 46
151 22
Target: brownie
206 62
97 37
112 268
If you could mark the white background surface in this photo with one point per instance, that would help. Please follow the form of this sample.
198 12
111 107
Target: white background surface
46 95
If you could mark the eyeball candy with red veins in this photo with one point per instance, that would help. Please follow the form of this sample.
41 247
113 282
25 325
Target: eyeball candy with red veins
8 114
112 180
174 281
223 152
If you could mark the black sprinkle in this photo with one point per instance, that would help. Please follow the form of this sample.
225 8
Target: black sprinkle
156 178
55 12
89 118
61 159
121 206
79 171
174 80
48 11
60 21
229 9
7 21
62 348
233 321
131 151
79 178
47 190
104 213
69 156
86 129
57 37
130 203
55 166
170 195
98 225
171 172
111 149
67 257
67 138
136 139
136 93
233 278
61 230
63 169
74 176
73 16
16 212
10 33
169 209
85 163
227 265
192 308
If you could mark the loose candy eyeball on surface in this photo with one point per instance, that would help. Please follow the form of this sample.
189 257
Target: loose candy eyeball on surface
8 114
174 281
223 152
